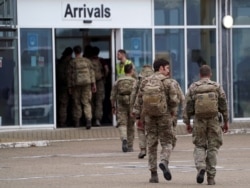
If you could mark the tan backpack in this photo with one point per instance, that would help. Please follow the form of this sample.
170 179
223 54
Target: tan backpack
125 87
82 71
206 100
154 97
98 69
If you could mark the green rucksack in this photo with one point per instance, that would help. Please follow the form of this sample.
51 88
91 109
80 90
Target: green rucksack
205 100
82 71
125 87
154 97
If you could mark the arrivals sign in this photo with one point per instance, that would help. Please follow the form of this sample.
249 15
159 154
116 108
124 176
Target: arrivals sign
87 13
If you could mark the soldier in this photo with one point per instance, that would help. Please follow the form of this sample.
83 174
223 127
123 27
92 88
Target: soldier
62 86
98 97
81 80
120 101
156 101
204 100
146 71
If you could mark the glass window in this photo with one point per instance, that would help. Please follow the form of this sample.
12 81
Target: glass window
241 69
241 12
9 100
169 12
169 44
36 76
201 45
138 45
201 12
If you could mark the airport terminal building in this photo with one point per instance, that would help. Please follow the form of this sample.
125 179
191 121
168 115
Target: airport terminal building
189 33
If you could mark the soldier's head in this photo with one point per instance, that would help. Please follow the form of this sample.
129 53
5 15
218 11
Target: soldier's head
146 71
205 71
162 66
77 50
128 69
95 51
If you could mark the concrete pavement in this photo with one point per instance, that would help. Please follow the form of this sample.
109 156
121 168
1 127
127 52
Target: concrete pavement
100 163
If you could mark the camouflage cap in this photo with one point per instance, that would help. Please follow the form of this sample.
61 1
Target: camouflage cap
146 70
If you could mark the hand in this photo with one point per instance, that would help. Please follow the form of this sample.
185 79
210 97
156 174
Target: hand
225 127
93 88
113 110
189 128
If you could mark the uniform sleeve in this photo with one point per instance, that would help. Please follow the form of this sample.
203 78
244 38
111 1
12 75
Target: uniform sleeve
134 93
222 104
69 75
137 108
91 71
186 108
113 95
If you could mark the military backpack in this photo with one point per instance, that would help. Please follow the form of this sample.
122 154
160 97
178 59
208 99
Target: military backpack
125 87
154 97
205 100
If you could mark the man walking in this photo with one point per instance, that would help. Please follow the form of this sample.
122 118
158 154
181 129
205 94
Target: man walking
156 101
81 80
204 100
120 100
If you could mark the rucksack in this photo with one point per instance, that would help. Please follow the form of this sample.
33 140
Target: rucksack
82 71
98 68
125 87
206 100
154 97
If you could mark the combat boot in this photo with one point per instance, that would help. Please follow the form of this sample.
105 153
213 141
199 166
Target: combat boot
154 177
97 122
200 176
88 124
76 123
210 181
166 172
142 154
124 145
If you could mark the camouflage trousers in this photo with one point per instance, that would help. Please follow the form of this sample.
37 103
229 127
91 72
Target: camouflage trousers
207 138
142 135
81 97
97 100
63 101
174 123
126 125
158 129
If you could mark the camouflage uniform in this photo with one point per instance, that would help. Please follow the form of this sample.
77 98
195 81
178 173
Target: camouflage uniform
81 94
207 133
146 71
98 97
62 90
124 122
158 128
181 98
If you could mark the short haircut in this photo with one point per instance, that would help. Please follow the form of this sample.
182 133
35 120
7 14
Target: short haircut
96 51
128 68
160 62
77 49
122 51
205 71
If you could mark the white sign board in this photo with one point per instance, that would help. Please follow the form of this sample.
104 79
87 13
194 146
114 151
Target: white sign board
85 14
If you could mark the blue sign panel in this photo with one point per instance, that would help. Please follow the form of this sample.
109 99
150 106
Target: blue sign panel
32 40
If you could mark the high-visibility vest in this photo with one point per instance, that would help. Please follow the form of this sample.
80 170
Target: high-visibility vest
120 68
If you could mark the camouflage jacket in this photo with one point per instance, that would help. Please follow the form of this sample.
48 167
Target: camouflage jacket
72 70
170 90
222 101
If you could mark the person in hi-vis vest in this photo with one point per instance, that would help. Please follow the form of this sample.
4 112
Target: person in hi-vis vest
122 57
